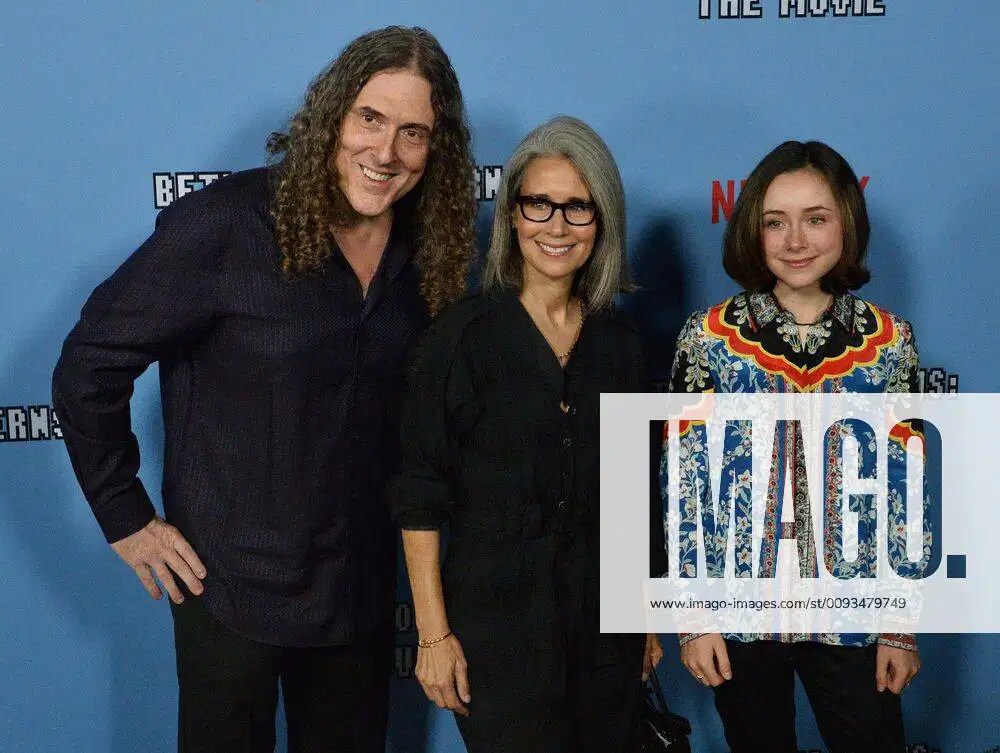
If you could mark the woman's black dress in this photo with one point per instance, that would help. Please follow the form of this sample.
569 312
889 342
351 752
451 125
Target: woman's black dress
488 449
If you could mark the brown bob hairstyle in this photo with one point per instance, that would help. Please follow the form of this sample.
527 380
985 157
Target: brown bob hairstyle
742 249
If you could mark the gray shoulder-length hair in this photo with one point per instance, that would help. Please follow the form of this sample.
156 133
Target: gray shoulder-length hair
606 272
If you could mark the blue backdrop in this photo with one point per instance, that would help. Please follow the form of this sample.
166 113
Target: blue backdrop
101 97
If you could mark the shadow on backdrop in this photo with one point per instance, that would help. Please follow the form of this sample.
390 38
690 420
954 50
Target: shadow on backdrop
660 304
659 307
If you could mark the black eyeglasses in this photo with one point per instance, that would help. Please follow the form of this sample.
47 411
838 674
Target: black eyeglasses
537 209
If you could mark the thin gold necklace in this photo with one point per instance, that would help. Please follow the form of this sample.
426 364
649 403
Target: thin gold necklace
565 356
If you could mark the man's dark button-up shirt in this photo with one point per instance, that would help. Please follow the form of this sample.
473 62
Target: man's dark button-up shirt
280 400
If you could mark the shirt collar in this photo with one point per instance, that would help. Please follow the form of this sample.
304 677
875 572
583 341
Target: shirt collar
398 251
764 309
843 310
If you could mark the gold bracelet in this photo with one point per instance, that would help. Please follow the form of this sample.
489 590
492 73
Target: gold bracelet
432 641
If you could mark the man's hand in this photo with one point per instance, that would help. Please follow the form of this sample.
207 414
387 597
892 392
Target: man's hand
443 674
707 659
895 668
652 655
157 549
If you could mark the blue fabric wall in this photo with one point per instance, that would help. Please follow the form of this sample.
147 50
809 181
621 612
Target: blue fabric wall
99 97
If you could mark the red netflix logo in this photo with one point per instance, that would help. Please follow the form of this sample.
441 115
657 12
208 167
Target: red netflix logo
724 197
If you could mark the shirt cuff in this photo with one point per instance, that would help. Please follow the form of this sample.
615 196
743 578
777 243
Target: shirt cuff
418 503
419 520
126 513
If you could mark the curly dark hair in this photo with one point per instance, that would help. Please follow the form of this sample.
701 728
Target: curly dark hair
440 210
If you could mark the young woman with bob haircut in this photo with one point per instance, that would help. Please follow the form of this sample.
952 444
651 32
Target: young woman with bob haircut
797 243
500 438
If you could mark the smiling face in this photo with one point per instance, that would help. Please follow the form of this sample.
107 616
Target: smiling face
802 231
384 142
553 250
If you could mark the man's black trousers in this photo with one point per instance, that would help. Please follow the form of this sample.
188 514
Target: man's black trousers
335 697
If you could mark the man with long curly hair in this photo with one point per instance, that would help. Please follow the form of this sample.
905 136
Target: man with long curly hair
280 303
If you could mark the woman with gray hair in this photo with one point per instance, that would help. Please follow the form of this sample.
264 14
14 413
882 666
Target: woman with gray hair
500 441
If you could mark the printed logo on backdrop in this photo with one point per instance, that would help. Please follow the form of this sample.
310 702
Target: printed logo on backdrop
936 381
29 423
727 9
488 181
406 642
724 193
168 187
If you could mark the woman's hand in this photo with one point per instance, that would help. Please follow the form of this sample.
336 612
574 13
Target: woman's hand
895 668
443 674
707 659
652 655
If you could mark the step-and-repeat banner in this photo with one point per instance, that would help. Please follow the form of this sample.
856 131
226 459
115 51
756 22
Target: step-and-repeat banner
113 111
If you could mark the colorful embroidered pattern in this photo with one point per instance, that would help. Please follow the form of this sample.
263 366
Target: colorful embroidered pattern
805 377
749 343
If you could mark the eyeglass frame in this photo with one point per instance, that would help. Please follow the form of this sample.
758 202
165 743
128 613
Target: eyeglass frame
556 205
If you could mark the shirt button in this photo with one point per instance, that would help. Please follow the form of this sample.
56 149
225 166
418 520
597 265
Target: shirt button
562 503
567 442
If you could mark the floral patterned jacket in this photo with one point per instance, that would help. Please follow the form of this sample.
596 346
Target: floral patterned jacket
749 343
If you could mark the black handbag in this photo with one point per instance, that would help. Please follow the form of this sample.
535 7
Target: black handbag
662 730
